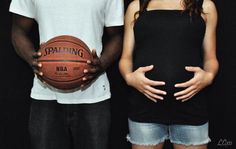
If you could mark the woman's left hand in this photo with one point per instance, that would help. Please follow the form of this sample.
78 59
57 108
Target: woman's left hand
200 80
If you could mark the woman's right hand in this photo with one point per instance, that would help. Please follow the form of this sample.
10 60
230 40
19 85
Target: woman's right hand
144 85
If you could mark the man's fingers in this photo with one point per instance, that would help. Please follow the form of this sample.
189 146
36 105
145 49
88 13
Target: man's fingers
36 64
37 54
85 84
91 71
95 61
90 77
37 72
94 54
42 44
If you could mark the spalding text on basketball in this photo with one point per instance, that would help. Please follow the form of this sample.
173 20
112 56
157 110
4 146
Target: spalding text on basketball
74 51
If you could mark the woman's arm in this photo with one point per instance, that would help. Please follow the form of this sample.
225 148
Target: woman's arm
211 65
126 64
203 77
136 78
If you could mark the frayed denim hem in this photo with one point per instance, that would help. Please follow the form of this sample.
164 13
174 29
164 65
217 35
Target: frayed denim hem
191 144
147 144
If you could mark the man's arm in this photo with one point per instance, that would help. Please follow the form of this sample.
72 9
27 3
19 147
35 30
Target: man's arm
21 42
113 47
111 51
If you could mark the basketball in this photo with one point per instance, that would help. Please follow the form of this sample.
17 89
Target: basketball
63 60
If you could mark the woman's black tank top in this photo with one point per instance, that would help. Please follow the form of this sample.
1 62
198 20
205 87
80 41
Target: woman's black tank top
170 40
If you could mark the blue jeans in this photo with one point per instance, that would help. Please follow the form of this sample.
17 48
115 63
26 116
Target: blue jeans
153 134
69 126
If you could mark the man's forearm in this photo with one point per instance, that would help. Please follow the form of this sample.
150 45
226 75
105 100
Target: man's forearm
112 50
22 44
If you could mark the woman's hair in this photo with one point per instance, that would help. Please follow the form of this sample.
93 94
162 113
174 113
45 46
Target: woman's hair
190 6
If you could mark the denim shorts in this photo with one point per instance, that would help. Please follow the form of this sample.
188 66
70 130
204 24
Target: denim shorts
153 134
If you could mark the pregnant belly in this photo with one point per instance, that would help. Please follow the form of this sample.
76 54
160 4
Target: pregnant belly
171 69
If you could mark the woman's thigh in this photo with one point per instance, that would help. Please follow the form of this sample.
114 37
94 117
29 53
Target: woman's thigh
147 135
189 136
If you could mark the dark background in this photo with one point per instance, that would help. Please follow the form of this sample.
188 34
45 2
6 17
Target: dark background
16 82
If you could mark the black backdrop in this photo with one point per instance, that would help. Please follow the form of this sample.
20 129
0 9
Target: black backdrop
16 82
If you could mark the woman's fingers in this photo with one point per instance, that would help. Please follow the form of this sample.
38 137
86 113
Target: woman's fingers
187 96
146 68
185 91
154 83
185 84
154 90
186 99
153 99
153 95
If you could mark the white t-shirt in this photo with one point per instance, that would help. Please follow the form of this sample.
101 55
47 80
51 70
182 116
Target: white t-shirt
84 19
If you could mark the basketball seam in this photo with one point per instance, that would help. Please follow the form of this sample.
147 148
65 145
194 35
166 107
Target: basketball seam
63 81
62 61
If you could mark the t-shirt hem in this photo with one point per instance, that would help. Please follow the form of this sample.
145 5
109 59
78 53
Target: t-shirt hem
42 97
71 101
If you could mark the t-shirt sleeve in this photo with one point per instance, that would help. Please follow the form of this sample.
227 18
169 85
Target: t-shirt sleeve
23 7
114 14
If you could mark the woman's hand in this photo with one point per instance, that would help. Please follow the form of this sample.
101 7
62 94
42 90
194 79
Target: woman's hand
144 85
200 80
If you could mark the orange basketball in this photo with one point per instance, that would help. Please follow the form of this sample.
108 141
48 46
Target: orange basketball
63 60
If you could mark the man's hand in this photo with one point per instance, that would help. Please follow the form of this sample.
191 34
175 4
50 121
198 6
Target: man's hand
110 52
95 70
35 65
